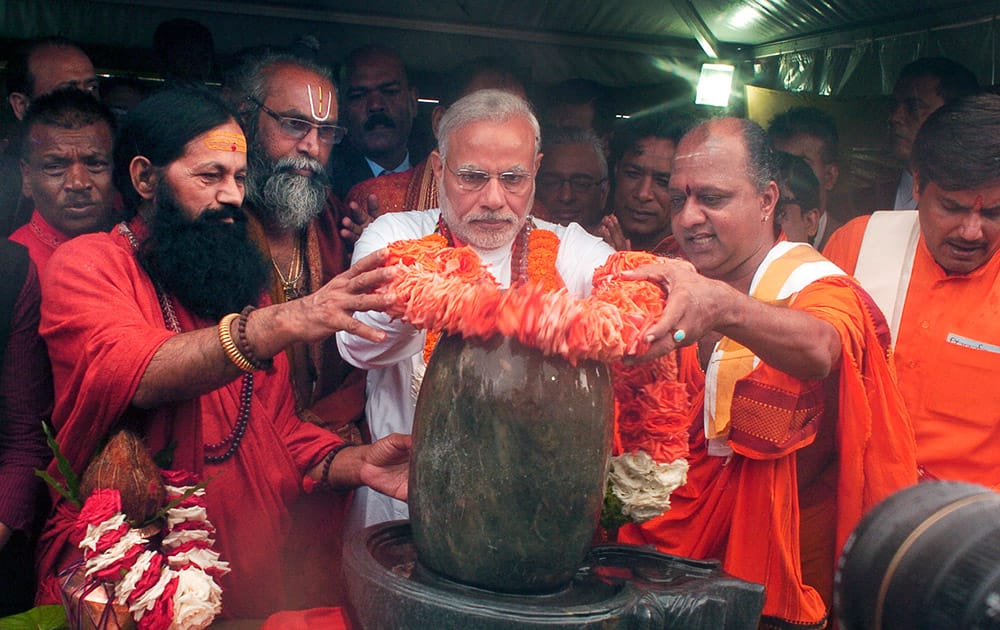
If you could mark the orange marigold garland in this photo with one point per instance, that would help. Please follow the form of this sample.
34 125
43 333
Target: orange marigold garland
446 288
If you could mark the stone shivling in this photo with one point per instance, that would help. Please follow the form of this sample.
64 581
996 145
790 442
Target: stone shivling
511 451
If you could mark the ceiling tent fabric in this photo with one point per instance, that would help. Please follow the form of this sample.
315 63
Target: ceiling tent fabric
824 47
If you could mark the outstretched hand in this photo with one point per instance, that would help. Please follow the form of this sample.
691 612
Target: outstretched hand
358 218
385 465
331 308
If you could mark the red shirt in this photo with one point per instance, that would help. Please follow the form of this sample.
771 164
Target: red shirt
40 238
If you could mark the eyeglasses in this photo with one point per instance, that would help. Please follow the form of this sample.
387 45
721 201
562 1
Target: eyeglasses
578 183
472 180
297 128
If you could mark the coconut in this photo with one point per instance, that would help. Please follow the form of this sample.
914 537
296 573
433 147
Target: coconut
125 465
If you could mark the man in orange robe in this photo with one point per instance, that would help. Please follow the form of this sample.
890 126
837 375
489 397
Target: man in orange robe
797 427
130 322
948 343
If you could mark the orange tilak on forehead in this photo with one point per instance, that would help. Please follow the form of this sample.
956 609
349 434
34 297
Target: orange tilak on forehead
978 203
318 101
228 141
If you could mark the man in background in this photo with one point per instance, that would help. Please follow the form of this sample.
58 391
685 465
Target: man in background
642 150
922 88
935 273
37 67
797 212
572 181
812 134
416 188
379 106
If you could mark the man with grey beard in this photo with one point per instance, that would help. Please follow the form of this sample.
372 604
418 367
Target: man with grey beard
289 113
485 164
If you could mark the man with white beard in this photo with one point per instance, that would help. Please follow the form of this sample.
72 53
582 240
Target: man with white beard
485 165
289 114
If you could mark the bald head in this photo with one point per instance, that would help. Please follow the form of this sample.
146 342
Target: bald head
722 195
46 65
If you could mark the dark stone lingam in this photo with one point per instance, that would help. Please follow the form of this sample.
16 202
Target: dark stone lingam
510 455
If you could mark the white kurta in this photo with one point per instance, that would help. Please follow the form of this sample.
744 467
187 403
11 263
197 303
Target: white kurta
391 364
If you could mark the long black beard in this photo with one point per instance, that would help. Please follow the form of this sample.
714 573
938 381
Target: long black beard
210 267
282 198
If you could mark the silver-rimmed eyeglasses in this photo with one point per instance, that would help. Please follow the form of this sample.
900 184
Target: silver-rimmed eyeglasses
297 128
473 180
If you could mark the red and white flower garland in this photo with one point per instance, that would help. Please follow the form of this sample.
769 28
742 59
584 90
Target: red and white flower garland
169 584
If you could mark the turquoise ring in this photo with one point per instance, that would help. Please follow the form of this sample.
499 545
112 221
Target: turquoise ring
679 335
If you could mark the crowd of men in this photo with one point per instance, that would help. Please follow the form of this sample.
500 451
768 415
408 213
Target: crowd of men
205 270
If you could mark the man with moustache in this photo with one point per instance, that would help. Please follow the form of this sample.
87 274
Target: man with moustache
798 427
938 283
642 150
379 106
416 188
289 113
485 165
66 169
152 327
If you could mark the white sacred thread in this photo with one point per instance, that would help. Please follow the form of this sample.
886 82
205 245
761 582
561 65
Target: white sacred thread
313 109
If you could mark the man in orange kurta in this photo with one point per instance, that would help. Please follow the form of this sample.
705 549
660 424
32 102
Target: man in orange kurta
948 344
796 428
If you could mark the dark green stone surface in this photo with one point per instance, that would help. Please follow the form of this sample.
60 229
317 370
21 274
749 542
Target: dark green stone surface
510 455
617 587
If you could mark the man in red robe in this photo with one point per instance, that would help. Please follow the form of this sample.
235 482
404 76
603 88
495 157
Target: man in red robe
797 427
130 318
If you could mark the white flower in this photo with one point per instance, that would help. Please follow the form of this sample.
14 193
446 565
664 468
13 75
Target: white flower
115 552
204 558
127 584
181 514
94 532
176 491
197 601
643 485
147 600
178 537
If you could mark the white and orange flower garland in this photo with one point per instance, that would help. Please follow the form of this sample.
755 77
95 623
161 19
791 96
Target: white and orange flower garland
169 584
445 288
